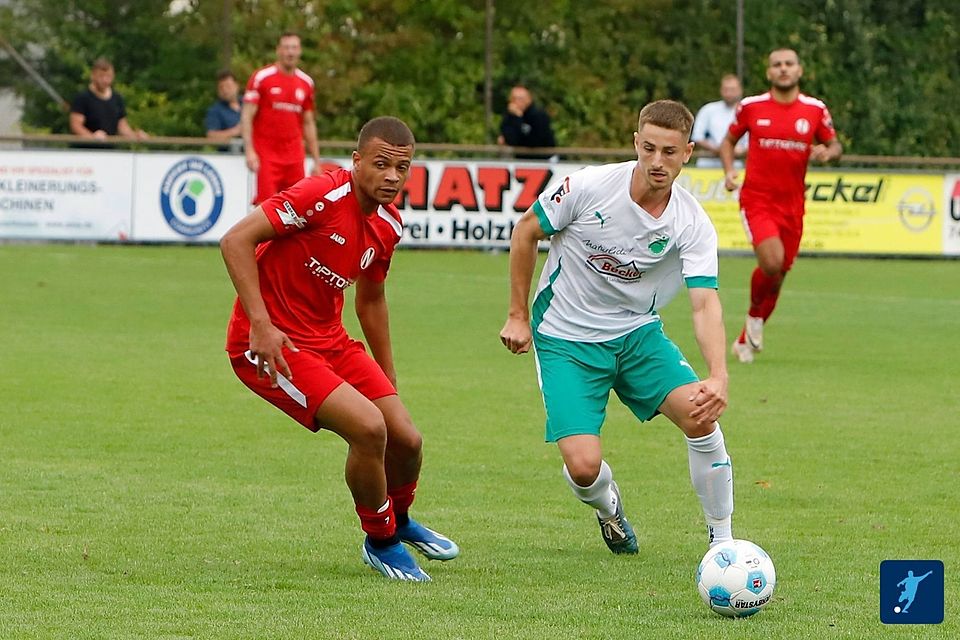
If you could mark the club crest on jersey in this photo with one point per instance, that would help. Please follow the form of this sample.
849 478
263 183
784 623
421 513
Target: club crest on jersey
659 243
289 216
607 265
561 191
802 125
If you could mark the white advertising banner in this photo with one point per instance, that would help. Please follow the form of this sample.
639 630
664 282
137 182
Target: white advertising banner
188 198
471 204
65 195
951 219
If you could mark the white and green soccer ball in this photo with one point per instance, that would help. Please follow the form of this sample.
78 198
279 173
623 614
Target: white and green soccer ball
736 579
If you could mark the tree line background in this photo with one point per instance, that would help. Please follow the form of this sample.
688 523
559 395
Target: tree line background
888 69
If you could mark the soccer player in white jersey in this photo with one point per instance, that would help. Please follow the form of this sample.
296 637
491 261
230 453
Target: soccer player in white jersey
623 240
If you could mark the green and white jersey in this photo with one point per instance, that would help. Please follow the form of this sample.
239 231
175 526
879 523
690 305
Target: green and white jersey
611 264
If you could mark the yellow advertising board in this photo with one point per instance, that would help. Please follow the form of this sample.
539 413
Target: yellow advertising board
847 211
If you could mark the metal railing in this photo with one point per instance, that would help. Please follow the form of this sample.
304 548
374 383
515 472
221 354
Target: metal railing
434 149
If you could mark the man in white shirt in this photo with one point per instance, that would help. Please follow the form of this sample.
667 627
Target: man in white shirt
624 239
713 120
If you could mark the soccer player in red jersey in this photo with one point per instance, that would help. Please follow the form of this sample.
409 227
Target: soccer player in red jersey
276 118
787 129
290 261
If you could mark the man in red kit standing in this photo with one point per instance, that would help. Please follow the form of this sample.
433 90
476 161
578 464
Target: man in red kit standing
787 128
290 261
276 118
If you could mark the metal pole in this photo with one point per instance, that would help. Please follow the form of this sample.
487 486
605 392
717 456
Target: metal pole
488 75
64 105
226 28
740 41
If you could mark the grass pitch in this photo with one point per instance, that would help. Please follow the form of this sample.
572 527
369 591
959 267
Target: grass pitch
145 493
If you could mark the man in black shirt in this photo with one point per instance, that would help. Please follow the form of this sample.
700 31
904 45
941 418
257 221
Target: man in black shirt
99 111
525 125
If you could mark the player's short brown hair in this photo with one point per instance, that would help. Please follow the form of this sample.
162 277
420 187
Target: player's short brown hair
668 114
101 64
389 129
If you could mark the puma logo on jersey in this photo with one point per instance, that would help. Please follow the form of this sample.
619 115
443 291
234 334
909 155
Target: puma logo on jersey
339 239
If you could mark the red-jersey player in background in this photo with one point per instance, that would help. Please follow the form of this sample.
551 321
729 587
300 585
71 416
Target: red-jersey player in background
276 118
787 128
290 260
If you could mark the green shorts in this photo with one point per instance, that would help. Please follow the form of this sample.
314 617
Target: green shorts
575 378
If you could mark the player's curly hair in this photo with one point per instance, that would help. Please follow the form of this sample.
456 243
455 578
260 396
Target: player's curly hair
389 129
668 114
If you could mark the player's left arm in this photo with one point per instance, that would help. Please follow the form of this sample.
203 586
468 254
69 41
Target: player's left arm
370 304
829 147
711 396
310 136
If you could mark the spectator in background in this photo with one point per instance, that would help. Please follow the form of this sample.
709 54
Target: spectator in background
277 116
223 116
100 111
713 120
525 125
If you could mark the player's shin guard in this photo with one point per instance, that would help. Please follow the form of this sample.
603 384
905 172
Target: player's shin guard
598 495
380 525
402 497
712 478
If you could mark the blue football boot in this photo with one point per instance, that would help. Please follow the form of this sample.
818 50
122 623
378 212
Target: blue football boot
394 562
616 531
427 541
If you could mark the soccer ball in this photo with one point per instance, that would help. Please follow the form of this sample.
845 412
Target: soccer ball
736 579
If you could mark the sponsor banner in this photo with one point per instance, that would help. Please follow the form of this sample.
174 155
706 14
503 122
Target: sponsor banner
65 195
846 212
951 216
188 198
471 204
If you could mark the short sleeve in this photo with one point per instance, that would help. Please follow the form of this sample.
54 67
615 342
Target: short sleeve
252 92
79 104
309 98
557 206
698 254
739 125
212 122
294 209
825 131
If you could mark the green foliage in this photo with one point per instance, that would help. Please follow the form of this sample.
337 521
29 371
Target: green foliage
886 68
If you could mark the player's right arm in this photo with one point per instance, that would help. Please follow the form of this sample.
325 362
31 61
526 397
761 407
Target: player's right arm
238 247
727 153
516 333
247 112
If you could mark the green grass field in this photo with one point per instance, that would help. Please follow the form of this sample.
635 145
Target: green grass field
145 493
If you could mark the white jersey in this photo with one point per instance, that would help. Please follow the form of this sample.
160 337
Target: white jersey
611 264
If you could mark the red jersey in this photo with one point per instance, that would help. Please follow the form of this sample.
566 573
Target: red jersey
281 99
781 137
323 244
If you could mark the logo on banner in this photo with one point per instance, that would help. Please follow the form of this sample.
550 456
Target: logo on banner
191 197
917 209
911 591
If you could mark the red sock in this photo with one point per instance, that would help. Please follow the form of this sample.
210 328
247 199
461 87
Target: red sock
379 524
764 292
402 498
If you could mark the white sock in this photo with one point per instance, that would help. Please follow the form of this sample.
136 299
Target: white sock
598 495
712 478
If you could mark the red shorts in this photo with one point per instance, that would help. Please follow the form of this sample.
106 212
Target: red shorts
274 177
762 219
315 376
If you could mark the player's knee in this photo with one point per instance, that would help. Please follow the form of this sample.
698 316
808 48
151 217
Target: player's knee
407 443
772 267
369 434
583 468
692 429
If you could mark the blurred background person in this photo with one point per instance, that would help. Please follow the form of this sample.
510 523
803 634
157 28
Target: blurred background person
276 117
713 120
524 124
223 117
99 111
